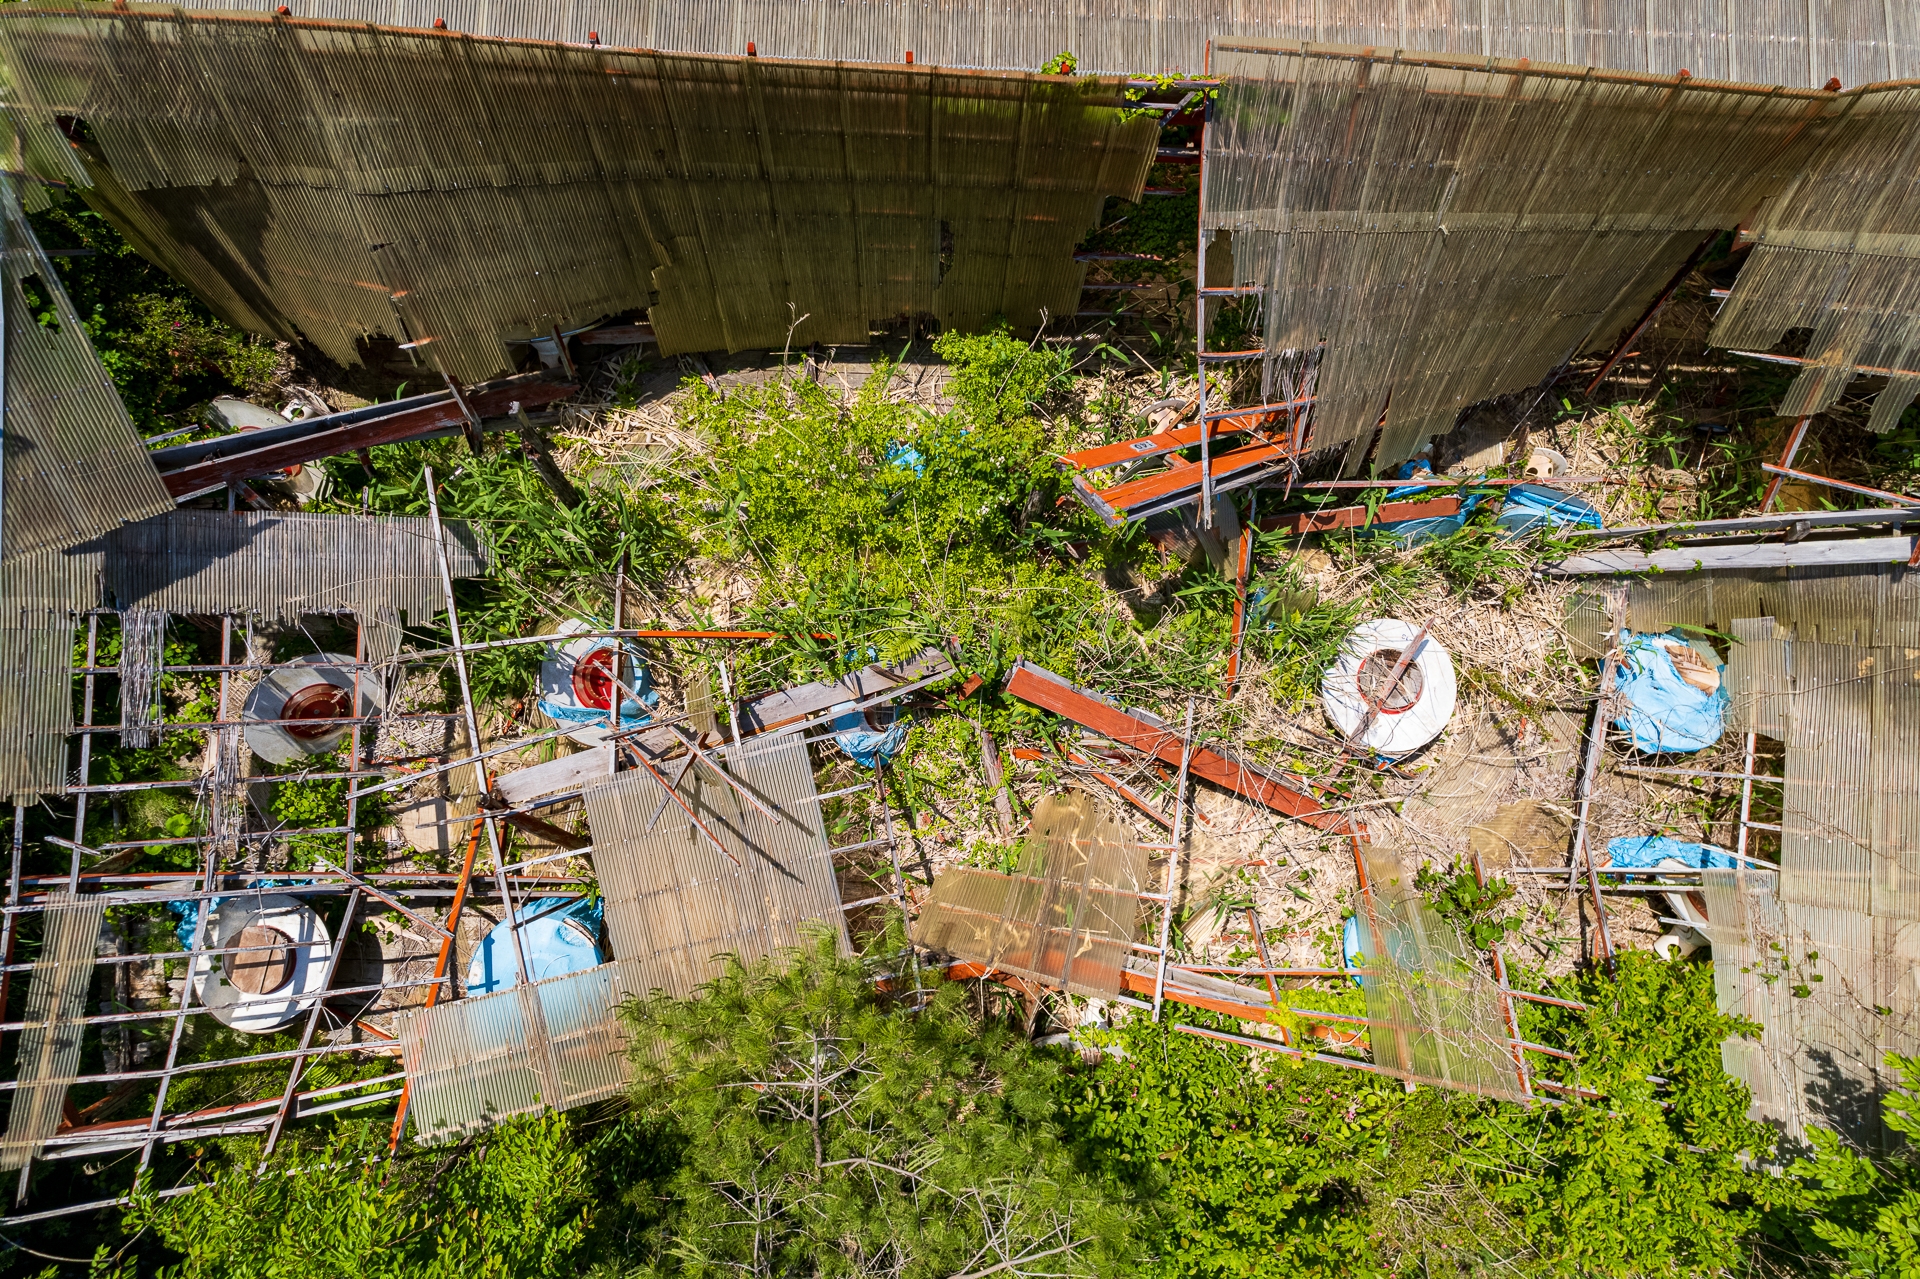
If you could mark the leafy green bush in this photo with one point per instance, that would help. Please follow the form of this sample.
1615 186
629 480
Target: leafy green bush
828 1131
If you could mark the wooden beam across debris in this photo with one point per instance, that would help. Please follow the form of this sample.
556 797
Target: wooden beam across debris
1044 689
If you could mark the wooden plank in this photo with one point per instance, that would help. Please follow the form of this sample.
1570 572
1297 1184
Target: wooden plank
1686 559
568 772
775 709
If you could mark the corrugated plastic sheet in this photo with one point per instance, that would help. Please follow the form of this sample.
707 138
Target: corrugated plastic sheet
674 903
557 1043
1775 41
1455 229
73 466
1834 992
1433 1011
1851 604
330 182
50 1041
1065 916
1759 687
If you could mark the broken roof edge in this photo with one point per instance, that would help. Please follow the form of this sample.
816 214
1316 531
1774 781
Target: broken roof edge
141 10
1524 68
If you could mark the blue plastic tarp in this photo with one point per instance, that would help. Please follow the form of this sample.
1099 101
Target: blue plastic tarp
1665 713
866 747
1641 852
558 937
1530 507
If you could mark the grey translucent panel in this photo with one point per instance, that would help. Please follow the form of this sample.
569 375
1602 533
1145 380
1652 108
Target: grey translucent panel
49 1054
1759 690
1450 230
558 1043
1825 840
1774 41
676 905
73 466
1434 1013
1832 992
1066 915
1589 622
320 194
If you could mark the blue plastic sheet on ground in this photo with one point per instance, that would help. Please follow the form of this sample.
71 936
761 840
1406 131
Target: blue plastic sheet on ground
1641 852
1531 507
1350 948
907 456
861 742
1665 713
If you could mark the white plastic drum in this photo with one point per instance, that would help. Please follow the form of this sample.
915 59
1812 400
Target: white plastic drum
1419 706
317 692
279 970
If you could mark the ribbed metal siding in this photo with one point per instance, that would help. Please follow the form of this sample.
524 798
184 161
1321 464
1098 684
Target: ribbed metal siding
674 904
284 564
50 1042
577 183
1067 916
1851 604
1433 1010
1759 689
1772 41
36 711
1825 843
473 1062
73 465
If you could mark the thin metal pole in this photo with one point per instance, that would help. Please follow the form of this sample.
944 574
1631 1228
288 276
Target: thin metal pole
1583 839
481 782
1200 346
1173 866
86 743
306 1034
1746 795
1243 562
1786 460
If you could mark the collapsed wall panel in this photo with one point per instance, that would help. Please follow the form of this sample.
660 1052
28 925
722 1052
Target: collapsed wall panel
1796 43
1433 1012
52 1025
1065 915
555 1044
348 181
1455 229
676 904
73 466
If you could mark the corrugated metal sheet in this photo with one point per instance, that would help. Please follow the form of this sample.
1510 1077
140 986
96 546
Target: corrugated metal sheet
50 1041
1772 42
1065 916
674 903
73 466
1834 992
36 711
1839 253
350 181
1452 229
283 564
1434 1012
557 1043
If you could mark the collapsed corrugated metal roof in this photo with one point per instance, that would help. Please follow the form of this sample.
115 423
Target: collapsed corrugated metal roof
1857 40
74 467
458 193
1453 229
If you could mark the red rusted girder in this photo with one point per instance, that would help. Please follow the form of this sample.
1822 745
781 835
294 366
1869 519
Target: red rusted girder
1048 691
1356 516
405 424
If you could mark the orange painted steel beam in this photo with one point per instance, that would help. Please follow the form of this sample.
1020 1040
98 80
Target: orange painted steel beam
1049 692
1356 516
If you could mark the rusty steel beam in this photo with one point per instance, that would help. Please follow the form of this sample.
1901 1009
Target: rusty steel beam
196 471
1048 691
1357 516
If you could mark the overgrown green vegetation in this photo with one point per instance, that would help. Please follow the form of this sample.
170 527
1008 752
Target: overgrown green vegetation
166 352
810 1122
